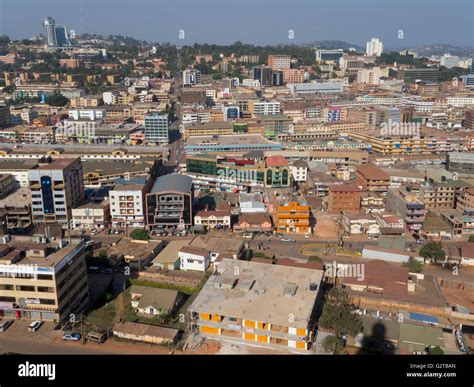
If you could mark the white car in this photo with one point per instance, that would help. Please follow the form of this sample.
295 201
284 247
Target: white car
34 326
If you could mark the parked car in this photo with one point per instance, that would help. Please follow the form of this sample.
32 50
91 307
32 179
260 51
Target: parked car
287 239
5 324
72 336
34 326
96 337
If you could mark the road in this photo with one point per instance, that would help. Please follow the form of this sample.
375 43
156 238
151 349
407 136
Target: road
59 347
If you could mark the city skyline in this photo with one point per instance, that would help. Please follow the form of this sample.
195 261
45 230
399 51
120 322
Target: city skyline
212 22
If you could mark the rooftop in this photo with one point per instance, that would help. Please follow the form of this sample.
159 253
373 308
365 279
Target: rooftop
276 292
174 182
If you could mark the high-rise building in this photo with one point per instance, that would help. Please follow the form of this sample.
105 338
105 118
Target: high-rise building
279 62
263 74
4 115
55 35
329 55
55 189
374 47
49 26
191 76
156 128
62 36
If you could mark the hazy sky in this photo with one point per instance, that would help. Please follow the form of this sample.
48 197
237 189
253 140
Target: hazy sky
252 21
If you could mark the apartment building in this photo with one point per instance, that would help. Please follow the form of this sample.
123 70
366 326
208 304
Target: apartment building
126 204
292 218
56 188
372 178
465 200
405 203
299 170
344 198
216 128
272 107
279 62
237 305
43 282
438 195
156 128
90 214
170 202
293 75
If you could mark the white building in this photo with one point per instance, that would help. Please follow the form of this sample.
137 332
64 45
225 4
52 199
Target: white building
87 114
460 101
126 205
374 47
194 258
191 77
272 107
449 61
371 76
299 170
90 215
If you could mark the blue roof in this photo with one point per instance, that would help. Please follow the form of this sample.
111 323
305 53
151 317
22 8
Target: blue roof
423 318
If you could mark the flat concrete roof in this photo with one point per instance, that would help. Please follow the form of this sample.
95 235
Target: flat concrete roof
280 295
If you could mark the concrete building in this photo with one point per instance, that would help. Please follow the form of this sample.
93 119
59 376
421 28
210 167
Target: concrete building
90 214
279 62
126 204
299 171
344 198
156 128
292 218
191 77
263 305
372 178
374 47
43 282
56 188
212 219
406 204
170 202
194 258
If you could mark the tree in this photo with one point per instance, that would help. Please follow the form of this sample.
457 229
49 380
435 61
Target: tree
471 238
57 100
436 350
333 344
337 314
140 234
434 251
413 266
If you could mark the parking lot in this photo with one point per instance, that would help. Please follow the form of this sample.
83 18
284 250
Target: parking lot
19 330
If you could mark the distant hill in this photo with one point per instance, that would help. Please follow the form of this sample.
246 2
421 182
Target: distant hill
333 44
440 49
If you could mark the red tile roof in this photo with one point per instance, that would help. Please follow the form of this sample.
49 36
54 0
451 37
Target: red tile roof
276 161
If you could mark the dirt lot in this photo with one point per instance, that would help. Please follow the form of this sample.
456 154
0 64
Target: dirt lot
326 227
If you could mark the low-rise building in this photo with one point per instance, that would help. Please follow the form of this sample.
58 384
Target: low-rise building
213 219
90 214
292 218
194 258
258 222
154 302
249 302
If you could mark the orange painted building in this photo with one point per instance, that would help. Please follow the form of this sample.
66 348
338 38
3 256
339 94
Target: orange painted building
292 218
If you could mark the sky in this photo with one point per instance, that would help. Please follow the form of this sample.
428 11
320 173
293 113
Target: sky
252 21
